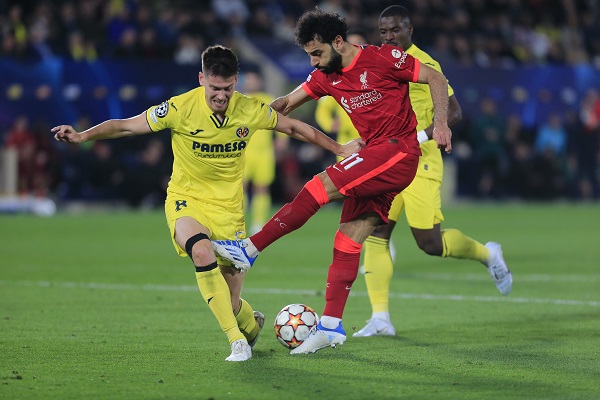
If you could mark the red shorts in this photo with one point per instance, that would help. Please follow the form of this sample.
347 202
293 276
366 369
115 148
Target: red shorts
372 178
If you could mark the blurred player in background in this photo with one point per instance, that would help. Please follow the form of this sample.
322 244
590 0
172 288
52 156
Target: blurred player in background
259 173
371 83
210 128
421 199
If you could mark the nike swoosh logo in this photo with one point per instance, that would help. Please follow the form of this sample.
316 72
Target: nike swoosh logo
208 301
336 82
348 288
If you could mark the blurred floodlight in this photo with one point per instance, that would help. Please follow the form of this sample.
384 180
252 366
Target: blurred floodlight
43 92
519 94
71 92
127 92
14 91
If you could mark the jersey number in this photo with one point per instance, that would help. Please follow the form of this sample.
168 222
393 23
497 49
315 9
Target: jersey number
352 161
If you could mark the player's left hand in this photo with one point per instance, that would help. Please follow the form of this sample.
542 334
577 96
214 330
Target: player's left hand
443 136
352 147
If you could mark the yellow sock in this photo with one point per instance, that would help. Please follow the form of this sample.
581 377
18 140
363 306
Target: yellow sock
458 245
261 208
215 292
245 321
378 272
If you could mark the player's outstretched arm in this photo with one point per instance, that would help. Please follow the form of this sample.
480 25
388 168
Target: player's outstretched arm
288 103
306 133
439 94
111 129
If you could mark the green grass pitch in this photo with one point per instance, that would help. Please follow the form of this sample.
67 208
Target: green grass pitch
99 306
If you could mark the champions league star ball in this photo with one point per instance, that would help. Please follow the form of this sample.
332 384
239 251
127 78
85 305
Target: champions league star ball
293 323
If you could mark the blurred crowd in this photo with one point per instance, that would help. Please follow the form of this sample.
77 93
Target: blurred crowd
497 157
470 32
134 170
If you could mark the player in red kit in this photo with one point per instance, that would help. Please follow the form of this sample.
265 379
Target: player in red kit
371 84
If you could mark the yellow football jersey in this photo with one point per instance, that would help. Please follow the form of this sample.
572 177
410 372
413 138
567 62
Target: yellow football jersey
209 154
430 163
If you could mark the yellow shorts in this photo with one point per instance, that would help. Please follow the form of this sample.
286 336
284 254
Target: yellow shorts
260 168
422 202
222 223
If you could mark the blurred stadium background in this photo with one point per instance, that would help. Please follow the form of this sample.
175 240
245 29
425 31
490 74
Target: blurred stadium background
526 73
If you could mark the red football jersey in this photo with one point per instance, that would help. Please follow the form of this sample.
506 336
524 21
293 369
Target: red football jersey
373 90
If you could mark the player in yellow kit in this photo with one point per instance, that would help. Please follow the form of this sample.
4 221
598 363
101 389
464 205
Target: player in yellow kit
210 129
259 173
421 199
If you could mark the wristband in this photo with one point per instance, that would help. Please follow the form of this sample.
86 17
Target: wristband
422 136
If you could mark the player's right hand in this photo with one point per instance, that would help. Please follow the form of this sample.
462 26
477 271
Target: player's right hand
353 146
443 136
66 133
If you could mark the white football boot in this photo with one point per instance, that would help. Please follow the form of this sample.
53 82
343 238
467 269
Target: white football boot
320 337
376 327
498 269
240 351
235 251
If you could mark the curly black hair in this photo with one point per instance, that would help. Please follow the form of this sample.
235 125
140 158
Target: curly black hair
219 61
319 25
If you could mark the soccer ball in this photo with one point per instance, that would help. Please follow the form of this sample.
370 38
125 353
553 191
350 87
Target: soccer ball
293 323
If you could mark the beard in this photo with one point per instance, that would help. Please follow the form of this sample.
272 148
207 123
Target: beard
334 64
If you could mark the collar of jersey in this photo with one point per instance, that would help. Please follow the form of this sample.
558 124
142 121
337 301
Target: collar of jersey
349 67
412 49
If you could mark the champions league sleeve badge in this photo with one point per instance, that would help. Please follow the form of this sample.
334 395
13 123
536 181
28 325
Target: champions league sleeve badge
162 109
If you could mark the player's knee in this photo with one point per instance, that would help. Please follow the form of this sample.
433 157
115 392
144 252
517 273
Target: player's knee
200 253
316 187
384 231
431 247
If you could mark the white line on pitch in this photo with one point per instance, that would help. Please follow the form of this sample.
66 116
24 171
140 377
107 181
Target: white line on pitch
189 288
485 277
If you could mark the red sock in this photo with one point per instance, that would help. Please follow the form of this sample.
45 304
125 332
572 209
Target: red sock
292 215
342 274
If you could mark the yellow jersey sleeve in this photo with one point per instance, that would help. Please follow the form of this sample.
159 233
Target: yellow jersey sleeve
430 163
420 94
163 116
